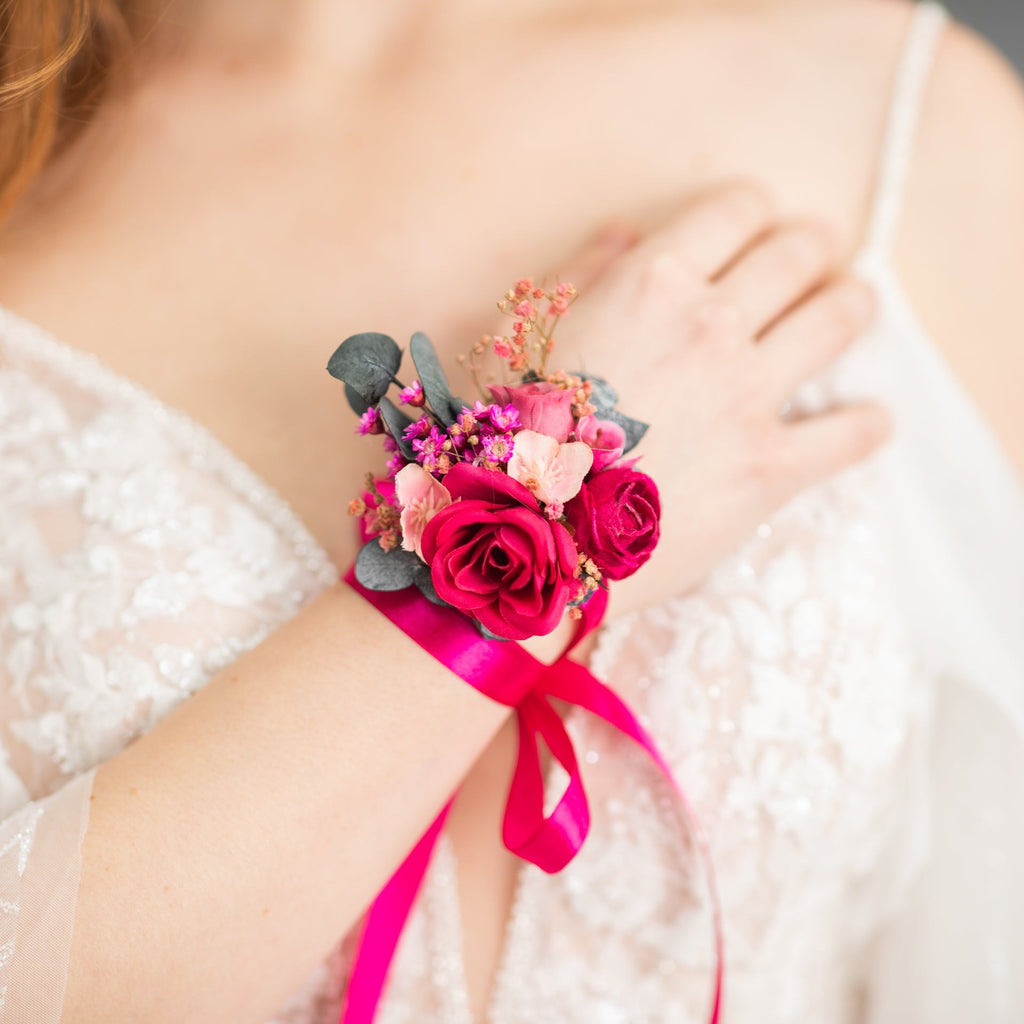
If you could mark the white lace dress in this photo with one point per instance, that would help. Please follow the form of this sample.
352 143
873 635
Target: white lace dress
843 701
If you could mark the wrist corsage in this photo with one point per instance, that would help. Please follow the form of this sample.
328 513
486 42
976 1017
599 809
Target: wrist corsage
516 508
494 521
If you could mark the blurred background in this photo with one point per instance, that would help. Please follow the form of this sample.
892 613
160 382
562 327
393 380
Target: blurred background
1001 20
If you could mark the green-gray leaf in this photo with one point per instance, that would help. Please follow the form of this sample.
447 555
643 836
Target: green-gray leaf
368 362
396 421
633 429
378 569
432 378
358 404
487 634
425 585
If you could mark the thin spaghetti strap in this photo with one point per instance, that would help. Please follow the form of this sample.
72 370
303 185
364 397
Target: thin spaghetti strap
927 23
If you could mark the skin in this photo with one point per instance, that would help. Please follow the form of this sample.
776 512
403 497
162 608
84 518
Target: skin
286 174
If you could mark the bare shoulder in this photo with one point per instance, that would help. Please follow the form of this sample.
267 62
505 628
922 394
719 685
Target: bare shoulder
960 250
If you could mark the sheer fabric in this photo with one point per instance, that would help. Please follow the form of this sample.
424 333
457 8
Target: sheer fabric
137 558
40 864
843 700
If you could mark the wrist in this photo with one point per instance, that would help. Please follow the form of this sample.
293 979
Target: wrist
549 648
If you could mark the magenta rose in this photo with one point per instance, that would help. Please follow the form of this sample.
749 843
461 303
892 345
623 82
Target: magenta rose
542 406
615 518
493 554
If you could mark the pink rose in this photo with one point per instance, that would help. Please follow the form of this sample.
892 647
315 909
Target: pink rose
421 498
542 407
615 518
493 554
606 439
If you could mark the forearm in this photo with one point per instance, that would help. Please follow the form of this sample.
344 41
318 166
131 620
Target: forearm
229 848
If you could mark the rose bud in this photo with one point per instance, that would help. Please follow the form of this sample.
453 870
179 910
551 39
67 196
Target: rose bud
615 519
542 407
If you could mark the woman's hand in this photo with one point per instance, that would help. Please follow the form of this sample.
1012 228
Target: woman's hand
706 328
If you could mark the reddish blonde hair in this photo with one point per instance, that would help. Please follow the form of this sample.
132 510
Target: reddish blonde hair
57 59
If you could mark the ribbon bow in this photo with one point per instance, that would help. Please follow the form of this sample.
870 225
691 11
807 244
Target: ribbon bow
505 672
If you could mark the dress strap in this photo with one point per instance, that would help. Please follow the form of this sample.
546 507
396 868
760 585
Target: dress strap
915 64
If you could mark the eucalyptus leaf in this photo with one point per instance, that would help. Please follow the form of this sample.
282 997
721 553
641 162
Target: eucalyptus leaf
396 421
425 585
368 363
604 397
378 569
487 634
358 404
432 378
633 429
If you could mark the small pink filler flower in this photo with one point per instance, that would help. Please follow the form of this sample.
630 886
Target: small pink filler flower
412 395
421 498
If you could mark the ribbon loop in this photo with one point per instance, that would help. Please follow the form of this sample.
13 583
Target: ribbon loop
549 841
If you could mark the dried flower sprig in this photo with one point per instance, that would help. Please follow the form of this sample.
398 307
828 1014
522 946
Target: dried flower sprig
535 312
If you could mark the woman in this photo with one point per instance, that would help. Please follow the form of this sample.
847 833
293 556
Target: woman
207 236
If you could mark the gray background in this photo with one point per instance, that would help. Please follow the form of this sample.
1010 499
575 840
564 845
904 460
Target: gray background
1001 20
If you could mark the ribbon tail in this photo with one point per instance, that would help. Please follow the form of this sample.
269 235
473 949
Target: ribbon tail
383 928
574 683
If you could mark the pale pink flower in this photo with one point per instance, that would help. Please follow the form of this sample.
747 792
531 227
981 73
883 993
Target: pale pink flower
552 472
421 498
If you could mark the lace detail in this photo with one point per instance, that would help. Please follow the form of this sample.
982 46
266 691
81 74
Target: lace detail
137 558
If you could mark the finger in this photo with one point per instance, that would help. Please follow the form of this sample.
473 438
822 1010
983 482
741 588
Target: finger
812 449
587 265
713 230
777 272
811 337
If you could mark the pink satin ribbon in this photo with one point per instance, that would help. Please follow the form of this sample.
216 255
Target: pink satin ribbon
505 672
